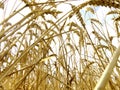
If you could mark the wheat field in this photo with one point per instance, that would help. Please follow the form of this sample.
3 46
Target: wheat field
44 48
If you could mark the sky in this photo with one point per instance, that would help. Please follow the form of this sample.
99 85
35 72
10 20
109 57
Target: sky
11 6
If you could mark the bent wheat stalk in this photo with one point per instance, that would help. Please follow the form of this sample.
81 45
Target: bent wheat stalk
106 74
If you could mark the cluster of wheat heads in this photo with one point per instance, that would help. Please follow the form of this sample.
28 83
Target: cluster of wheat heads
47 49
